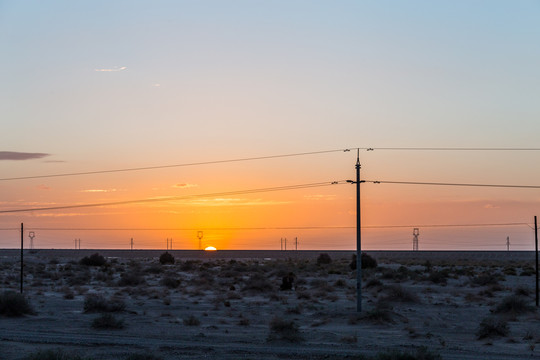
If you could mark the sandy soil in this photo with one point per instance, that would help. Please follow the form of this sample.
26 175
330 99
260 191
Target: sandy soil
222 308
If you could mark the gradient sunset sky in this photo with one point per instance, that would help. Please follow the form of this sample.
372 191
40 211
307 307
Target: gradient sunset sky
98 85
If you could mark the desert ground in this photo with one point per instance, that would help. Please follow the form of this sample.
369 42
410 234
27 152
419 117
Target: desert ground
228 305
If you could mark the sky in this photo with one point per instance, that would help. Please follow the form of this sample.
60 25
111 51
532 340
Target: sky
101 85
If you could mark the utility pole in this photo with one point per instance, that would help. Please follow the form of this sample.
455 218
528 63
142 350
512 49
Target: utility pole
508 243
358 235
131 244
536 253
22 256
296 243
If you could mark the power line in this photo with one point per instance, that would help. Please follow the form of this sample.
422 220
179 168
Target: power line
264 158
276 227
453 184
185 197
173 165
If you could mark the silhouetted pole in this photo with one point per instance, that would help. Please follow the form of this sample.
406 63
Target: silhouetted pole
22 256
358 235
536 253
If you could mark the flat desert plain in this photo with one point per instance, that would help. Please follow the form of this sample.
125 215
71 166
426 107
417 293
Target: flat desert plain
228 305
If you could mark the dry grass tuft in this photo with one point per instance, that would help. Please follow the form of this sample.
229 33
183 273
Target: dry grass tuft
14 304
284 330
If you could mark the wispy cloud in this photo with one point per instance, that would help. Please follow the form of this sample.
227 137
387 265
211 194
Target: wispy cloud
235 202
99 190
43 187
320 197
14 155
184 185
116 68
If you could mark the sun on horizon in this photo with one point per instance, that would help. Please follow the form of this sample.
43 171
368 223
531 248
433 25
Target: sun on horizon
210 248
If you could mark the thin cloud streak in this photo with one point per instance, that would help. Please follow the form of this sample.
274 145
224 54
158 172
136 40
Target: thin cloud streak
15 155
112 70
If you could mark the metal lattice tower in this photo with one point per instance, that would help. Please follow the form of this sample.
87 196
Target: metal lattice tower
200 236
31 235
416 232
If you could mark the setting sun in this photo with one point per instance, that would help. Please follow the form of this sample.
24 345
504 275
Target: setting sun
210 248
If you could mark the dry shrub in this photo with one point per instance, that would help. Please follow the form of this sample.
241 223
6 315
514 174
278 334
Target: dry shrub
368 262
131 279
191 321
107 321
422 353
53 355
171 282
98 303
93 260
141 356
486 279
14 304
258 283
324 259
513 305
397 293
285 330
492 327
166 258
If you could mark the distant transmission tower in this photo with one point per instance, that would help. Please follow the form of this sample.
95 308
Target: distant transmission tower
416 232
200 236
508 243
31 235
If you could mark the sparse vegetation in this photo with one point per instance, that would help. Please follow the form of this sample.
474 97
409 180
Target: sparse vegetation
285 330
107 321
422 353
368 262
98 303
191 321
397 293
14 304
513 305
53 355
324 259
492 327
166 258
93 260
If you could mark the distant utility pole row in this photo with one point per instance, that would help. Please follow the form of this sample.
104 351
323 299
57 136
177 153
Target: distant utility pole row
284 244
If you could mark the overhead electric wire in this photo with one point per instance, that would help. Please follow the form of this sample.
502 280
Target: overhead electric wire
275 227
185 197
173 165
452 184
263 158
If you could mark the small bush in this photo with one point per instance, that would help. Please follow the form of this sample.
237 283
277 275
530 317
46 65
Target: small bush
52 355
400 294
93 260
14 304
170 282
166 258
439 277
130 279
368 262
324 259
513 305
492 327
143 357
422 353
258 283
98 303
107 321
284 330
191 321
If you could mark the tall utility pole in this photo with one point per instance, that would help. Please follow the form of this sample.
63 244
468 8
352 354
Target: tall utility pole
508 243
131 243
536 253
200 236
22 256
358 235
